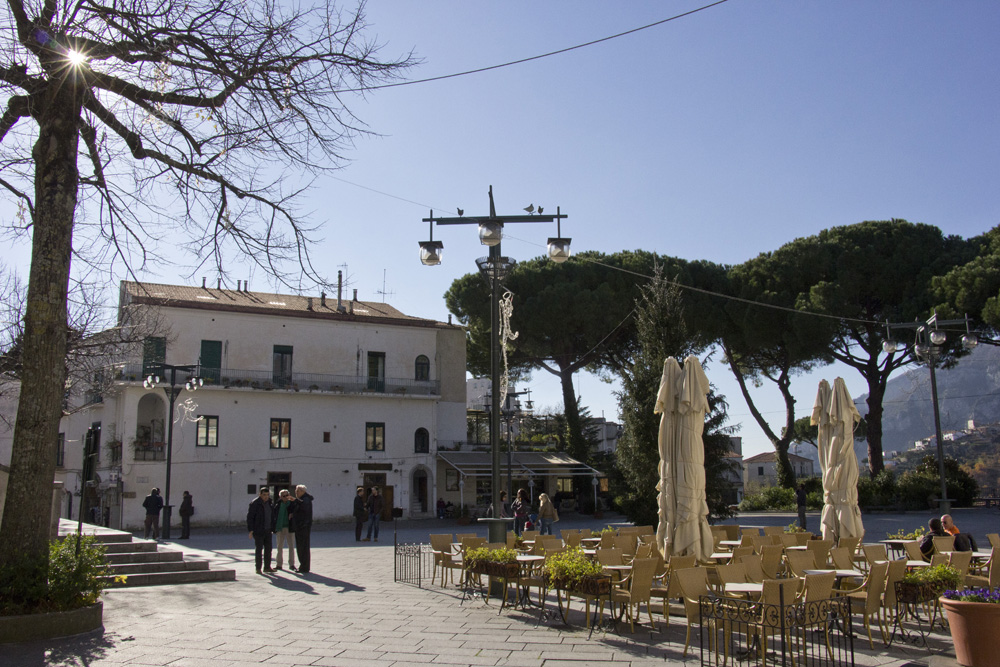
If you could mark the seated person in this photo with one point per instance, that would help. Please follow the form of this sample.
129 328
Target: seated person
965 542
948 525
927 541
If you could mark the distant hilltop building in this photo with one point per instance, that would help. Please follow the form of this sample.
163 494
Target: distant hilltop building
762 469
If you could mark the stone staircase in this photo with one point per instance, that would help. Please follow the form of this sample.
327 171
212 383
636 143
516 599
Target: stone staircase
146 563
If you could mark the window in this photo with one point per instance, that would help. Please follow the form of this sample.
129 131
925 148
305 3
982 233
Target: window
376 371
282 365
326 436
154 353
760 471
281 433
421 441
422 369
208 431
375 437
61 450
564 485
210 359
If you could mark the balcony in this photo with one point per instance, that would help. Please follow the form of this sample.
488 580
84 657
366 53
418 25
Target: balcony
296 382
149 451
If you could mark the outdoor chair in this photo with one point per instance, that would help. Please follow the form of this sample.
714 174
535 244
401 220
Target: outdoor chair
775 539
773 530
693 582
729 573
913 551
529 534
992 578
635 590
944 544
939 559
894 573
610 557
740 552
821 550
849 543
445 561
960 560
803 538
767 620
461 536
788 540
770 560
566 532
607 540
817 591
718 534
867 600
753 568
841 558
875 552
586 532
627 543
994 539
732 531
798 561
669 587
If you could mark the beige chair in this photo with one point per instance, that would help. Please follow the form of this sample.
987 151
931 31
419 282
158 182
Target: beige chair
627 543
874 553
634 590
573 538
801 539
994 539
849 543
840 558
992 578
799 561
586 532
960 560
740 552
894 573
868 601
817 590
913 552
732 531
753 567
610 557
669 588
768 618
608 540
461 536
788 540
821 550
730 573
529 534
773 530
445 560
693 582
939 559
770 560
944 544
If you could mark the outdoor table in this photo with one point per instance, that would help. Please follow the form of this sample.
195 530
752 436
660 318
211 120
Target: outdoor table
730 543
526 562
617 571
840 574
591 540
797 547
746 588
590 552
722 555
895 544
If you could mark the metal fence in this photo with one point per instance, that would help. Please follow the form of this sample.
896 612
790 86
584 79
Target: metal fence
413 563
800 634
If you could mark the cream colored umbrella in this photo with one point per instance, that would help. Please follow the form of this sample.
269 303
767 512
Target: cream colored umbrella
666 407
682 402
836 416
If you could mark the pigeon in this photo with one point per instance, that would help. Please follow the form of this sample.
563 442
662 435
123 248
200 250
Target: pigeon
530 208
460 212
540 210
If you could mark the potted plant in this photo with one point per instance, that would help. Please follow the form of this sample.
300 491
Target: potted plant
901 534
927 583
974 620
500 563
572 571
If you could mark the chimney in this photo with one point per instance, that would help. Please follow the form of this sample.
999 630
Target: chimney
246 285
322 299
449 318
340 287
239 285
355 295
219 285
350 307
309 303
203 279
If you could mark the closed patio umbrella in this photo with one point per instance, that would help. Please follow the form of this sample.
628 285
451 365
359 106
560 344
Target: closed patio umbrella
682 401
836 416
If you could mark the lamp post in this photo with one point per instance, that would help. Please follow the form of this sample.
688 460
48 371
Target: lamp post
172 390
494 268
928 339
511 409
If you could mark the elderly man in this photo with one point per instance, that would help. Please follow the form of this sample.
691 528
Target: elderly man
948 525
302 519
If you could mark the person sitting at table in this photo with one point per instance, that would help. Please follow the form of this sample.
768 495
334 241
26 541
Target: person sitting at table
948 525
927 541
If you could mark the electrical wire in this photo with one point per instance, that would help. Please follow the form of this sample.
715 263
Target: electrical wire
531 58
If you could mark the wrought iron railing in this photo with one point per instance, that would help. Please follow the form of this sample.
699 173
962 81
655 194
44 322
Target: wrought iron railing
802 634
413 563
300 382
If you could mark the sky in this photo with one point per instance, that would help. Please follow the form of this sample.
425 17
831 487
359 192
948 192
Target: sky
716 136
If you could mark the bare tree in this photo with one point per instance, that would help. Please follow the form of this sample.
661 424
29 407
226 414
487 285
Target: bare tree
131 123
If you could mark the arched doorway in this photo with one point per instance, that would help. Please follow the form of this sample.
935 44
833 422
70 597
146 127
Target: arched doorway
420 486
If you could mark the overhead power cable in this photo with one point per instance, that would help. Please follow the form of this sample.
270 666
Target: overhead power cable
530 58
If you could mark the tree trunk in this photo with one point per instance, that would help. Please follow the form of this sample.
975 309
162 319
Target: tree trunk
25 529
876 391
576 444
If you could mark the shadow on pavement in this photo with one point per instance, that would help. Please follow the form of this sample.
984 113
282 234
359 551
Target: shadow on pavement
307 583
69 651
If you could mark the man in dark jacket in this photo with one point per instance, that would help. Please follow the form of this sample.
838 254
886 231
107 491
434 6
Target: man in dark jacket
260 524
187 509
360 513
927 541
154 505
302 519
375 505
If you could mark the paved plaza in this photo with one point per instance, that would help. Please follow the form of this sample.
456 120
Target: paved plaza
349 611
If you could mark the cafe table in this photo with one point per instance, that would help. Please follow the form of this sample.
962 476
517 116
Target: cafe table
722 555
730 543
839 574
743 588
895 545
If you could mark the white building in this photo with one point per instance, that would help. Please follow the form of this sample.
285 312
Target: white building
297 390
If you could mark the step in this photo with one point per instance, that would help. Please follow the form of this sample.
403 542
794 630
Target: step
185 577
143 557
132 569
136 546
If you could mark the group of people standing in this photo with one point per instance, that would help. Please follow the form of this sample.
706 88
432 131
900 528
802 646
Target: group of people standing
288 515
520 510
369 510
153 504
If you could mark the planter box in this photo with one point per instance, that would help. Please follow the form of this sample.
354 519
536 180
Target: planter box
498 570
974 630
594 585
910 593
36 627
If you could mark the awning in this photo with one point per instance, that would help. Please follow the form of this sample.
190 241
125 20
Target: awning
523 464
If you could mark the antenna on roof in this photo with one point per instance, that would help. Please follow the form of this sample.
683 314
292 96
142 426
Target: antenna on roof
382 291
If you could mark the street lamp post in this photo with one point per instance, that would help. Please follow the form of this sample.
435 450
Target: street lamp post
928 339
495 268
172 390
510 410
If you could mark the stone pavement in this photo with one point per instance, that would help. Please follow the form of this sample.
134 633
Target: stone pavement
349 611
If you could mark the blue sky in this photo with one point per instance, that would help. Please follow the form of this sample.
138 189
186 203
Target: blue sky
717 136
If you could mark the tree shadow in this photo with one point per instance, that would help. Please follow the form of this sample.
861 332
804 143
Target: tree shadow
76 651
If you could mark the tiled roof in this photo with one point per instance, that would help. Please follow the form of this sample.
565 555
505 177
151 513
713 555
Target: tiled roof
770 457
267 303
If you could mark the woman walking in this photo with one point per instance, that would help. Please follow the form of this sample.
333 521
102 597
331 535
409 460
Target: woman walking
547 514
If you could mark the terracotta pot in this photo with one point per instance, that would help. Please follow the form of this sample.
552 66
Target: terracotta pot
974 630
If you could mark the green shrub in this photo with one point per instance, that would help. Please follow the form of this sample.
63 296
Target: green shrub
943 575
901 534
74 580
568 568
769 498
878 491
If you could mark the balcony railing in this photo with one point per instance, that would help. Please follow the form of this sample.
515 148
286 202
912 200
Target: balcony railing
149 451
301 382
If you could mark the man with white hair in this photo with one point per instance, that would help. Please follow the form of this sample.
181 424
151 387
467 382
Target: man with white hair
302 518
